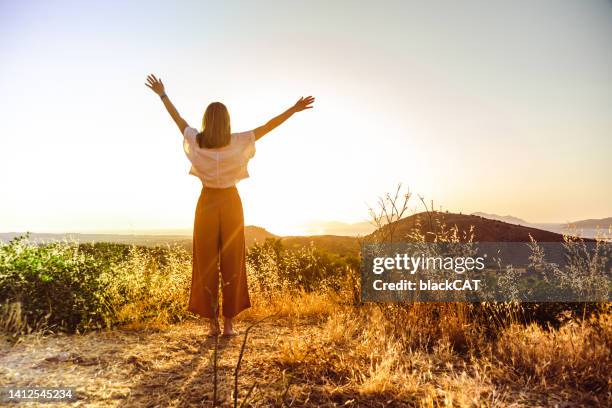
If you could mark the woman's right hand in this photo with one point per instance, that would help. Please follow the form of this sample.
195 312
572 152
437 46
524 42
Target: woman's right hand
303 103
155 84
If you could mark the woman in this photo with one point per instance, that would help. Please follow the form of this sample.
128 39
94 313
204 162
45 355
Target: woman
219 158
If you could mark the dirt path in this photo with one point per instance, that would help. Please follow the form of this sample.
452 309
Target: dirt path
169 367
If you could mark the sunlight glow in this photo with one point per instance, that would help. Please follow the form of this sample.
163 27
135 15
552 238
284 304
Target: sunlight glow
415 97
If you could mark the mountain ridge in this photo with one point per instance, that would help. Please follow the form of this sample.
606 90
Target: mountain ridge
485 230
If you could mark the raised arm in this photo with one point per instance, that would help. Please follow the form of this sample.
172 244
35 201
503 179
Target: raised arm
158 87
300 105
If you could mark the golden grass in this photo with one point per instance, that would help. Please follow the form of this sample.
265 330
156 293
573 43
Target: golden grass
575 355
316 351
529 365
293 305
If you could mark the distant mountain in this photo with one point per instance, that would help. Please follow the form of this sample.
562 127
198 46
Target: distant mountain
603 223
586 228
147 240
505 218
252 234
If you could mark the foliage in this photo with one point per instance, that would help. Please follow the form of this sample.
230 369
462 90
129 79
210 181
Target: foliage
66 286
273 268
56 284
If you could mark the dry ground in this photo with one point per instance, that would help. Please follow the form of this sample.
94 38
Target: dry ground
321 359
151 367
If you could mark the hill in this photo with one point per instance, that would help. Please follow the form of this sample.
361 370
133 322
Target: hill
485 230
254 234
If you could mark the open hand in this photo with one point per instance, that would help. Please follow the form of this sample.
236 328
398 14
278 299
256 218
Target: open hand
155 84
303 103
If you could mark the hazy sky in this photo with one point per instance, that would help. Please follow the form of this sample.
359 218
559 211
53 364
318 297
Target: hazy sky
502 107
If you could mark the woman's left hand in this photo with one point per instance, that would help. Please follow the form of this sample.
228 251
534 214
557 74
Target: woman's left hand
155 84
303 103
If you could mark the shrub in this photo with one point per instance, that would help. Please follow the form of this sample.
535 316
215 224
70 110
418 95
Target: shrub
56 284
64 286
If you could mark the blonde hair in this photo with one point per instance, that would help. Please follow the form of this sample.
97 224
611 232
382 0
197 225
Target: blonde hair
216 130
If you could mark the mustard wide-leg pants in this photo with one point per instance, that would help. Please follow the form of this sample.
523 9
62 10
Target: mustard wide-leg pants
218 244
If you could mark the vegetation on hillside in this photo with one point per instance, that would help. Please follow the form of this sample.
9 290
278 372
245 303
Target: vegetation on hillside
341 351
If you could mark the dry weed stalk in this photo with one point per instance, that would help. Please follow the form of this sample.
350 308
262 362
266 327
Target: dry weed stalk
391 208
237 368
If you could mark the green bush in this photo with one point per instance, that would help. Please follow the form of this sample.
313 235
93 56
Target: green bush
65 286
56 284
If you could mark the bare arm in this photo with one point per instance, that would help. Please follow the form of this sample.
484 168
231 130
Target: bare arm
300 105
158 87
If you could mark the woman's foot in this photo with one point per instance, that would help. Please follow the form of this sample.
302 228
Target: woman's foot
213 327
228 328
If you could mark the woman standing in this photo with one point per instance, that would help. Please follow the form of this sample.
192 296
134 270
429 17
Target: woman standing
219 158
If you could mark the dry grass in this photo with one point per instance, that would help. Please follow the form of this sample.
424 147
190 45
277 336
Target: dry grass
318 352
576 355
358 357
295 306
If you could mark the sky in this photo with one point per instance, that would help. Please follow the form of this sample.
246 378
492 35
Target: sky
495 106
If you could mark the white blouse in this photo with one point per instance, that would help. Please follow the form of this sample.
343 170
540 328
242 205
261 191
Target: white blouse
220 167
